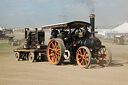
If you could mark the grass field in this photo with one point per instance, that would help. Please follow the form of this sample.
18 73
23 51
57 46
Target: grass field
5 48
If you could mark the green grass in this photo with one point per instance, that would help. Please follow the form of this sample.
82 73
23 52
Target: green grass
3 45
4 41
6 48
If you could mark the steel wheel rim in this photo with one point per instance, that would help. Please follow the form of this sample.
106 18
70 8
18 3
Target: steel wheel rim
17 56
31 57
82 58
104 57
53 52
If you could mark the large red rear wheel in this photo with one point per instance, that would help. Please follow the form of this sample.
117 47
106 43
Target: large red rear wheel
83 57
55 51
104 57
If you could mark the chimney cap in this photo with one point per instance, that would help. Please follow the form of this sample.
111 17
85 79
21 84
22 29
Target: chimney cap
92 16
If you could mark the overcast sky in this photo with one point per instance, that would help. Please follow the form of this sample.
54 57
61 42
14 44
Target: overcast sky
36 13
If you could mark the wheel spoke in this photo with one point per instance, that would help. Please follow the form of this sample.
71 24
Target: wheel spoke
104 50
57 56
106 54
85 52
79 54
57 46
86 59
51 54
106 57
57 49
85 62
82 62
53 45
86 56
50 48
107 61
58 53
97 59
79 59
52 59
80 51
51 51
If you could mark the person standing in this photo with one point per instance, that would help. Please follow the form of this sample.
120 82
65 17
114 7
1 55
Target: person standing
54 33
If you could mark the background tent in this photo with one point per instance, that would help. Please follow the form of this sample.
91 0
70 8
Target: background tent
1 28
121 28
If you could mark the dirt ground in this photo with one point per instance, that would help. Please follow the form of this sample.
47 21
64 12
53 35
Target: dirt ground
14 72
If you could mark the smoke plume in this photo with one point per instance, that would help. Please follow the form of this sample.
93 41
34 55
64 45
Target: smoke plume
89 4
64 17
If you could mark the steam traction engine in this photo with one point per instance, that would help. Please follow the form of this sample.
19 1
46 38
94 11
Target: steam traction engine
32 49
75 43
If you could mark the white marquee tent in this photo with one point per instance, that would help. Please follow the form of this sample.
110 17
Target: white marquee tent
121 28
1 28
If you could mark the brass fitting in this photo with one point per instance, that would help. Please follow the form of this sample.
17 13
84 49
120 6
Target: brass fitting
92 16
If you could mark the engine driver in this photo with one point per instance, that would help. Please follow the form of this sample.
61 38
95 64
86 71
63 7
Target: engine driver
54 33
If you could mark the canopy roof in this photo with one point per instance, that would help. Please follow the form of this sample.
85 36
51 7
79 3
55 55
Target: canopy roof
73 24
121 29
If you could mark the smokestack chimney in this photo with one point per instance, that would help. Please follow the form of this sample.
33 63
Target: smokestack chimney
92 22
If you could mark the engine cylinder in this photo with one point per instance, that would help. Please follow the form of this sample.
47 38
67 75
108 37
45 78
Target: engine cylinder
90 43
93 43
